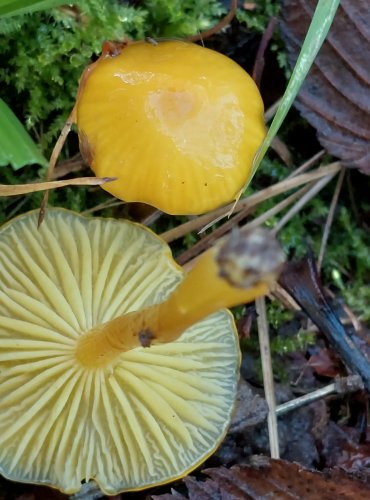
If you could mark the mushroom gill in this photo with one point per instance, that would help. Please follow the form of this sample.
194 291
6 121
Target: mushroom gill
147 417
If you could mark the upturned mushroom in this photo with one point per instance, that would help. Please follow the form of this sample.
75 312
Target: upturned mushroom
82 395
177 124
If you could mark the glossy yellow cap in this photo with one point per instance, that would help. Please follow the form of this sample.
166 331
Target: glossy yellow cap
176 123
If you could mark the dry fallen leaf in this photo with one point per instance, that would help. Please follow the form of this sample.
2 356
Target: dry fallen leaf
250 409
335 98
325 363
301 280
267 479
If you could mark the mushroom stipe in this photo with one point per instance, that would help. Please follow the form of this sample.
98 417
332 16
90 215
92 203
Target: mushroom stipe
78 406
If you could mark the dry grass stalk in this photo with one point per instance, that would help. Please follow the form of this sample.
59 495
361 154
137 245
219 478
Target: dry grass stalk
268 379
330 218
250 202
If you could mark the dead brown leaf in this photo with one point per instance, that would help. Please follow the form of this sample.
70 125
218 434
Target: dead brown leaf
265 479
301 280
341 447
335 98
325 363
250 409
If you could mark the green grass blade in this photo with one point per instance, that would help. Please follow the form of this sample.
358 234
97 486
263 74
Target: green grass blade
316 34
14 7
16 146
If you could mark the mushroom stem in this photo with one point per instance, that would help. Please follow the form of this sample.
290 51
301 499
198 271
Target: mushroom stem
233 273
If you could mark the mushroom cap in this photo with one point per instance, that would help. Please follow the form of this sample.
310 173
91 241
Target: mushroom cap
148 418
176 123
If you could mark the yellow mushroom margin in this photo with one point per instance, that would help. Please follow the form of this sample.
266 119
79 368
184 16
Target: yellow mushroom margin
148 418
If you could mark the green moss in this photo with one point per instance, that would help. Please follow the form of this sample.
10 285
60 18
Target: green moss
347 265
46 53
180 18
281 345
259 17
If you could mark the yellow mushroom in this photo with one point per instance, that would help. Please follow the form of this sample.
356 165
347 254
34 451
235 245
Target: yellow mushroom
81 397
177 124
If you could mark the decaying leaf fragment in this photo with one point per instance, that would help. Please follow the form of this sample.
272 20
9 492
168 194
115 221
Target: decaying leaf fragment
335 98
265 479
301 280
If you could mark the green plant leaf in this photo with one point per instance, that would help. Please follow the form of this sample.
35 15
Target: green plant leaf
14 7
316 34
16 146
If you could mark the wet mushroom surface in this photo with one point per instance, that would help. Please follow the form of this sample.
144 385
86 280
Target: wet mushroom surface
147 417
177 125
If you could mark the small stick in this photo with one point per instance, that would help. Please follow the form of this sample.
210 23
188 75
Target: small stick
53 160
280 294
17 189
251 201
106 204
259 62
302 201
307 164
218 27
268 379
330 218
342 385
265 216
66 167
270 112
353 319
208 240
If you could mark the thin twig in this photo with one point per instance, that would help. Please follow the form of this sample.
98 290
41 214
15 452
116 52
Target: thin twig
265 216
353 319
343 385
320 184
282 150
330 218
267 193
280 294
307 164
105 204
352 198
54 158
259 62
151 218
208 241
67 167
251 201
17 189
218 27
270 112
17 207
268 379
306 399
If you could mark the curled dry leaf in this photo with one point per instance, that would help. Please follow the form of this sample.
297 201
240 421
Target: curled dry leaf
335 98
325 363
265 479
